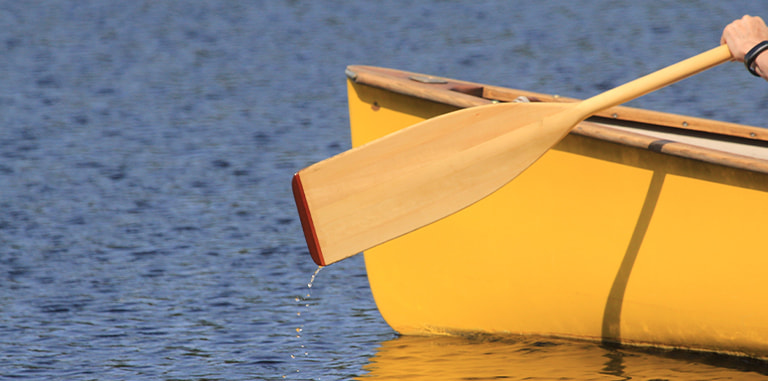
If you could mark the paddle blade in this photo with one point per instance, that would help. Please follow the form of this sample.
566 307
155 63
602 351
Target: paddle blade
418 175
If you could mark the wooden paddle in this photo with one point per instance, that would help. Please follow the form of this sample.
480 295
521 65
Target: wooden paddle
403 181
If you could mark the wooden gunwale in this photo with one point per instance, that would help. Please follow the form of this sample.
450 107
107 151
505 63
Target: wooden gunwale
606 125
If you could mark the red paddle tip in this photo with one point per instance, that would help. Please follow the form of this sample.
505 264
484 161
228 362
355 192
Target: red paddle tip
306 221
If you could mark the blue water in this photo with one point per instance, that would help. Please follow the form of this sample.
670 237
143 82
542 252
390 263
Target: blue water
147 229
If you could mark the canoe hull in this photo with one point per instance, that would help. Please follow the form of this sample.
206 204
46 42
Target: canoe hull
597 240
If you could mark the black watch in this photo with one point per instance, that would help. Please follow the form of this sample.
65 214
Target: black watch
751 56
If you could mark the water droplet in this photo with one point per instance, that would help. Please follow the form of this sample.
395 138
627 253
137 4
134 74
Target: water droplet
300 299
312 279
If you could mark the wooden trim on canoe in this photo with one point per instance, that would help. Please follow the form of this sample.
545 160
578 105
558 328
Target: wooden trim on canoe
442 90
468 94
670 147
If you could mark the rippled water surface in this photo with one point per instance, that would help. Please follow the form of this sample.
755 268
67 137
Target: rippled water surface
147 229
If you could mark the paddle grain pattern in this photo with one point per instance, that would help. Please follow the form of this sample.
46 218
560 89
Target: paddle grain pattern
394 185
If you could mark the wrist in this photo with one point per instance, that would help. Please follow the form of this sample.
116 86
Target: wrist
761 65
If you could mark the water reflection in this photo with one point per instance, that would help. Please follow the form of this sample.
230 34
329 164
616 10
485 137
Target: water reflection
519 358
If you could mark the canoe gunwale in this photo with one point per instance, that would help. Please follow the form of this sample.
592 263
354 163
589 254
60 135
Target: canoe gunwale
669 147
468 94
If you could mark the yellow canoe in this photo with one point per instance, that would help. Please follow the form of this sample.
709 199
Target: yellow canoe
639 228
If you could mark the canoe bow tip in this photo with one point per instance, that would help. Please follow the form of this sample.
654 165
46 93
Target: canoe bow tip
308 227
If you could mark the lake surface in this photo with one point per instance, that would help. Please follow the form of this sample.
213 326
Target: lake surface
147 228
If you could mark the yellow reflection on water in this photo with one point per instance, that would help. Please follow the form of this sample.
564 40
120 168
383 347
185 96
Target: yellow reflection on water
525 358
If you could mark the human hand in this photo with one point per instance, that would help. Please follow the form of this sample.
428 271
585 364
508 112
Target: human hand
743 34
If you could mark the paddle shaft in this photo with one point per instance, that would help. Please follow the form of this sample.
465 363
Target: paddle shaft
655 80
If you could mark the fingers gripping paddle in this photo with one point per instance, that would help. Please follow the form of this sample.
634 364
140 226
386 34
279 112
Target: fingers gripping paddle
411 178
